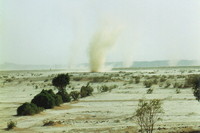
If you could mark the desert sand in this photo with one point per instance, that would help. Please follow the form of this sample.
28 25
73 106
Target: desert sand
103 112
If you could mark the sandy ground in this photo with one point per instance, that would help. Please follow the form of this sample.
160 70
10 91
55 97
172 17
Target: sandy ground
107 112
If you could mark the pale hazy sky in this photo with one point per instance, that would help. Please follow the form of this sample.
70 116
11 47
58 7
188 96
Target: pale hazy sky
59 31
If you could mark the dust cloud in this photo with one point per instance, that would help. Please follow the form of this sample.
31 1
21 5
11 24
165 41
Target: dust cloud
101 43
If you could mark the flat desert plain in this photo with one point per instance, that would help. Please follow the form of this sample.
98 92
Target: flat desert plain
102 112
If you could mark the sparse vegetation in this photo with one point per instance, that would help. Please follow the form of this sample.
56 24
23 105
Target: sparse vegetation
77 78
36 87
163 79
178 91
104 88
133 82
148 83
50 122
167 84
147 114
11 125
137 79
155 81
98 79
8 80
150 91
176 85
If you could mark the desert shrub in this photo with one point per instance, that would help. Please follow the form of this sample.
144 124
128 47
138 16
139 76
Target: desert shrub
75 95
130 81
181 86
65 96
112 87
46 99
180 76
86 90
50 122
8 80
190 71
61 81
58 99
182 71
148 83
196 87
171 77
137 79
77 78
11 125
191 80
147 114
160 84
104 88
155 81
5 76
97 79
163 79
167 84
150 91
100 79
28 109
176 85
178 91
36 87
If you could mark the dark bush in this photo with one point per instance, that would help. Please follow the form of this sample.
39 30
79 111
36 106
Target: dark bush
11 125
104 88
61 81
46 99
75 95
196 87
155 81
86 90
28 109
148 83
137 79
64 95
150 91
58 100
163 79
191 80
